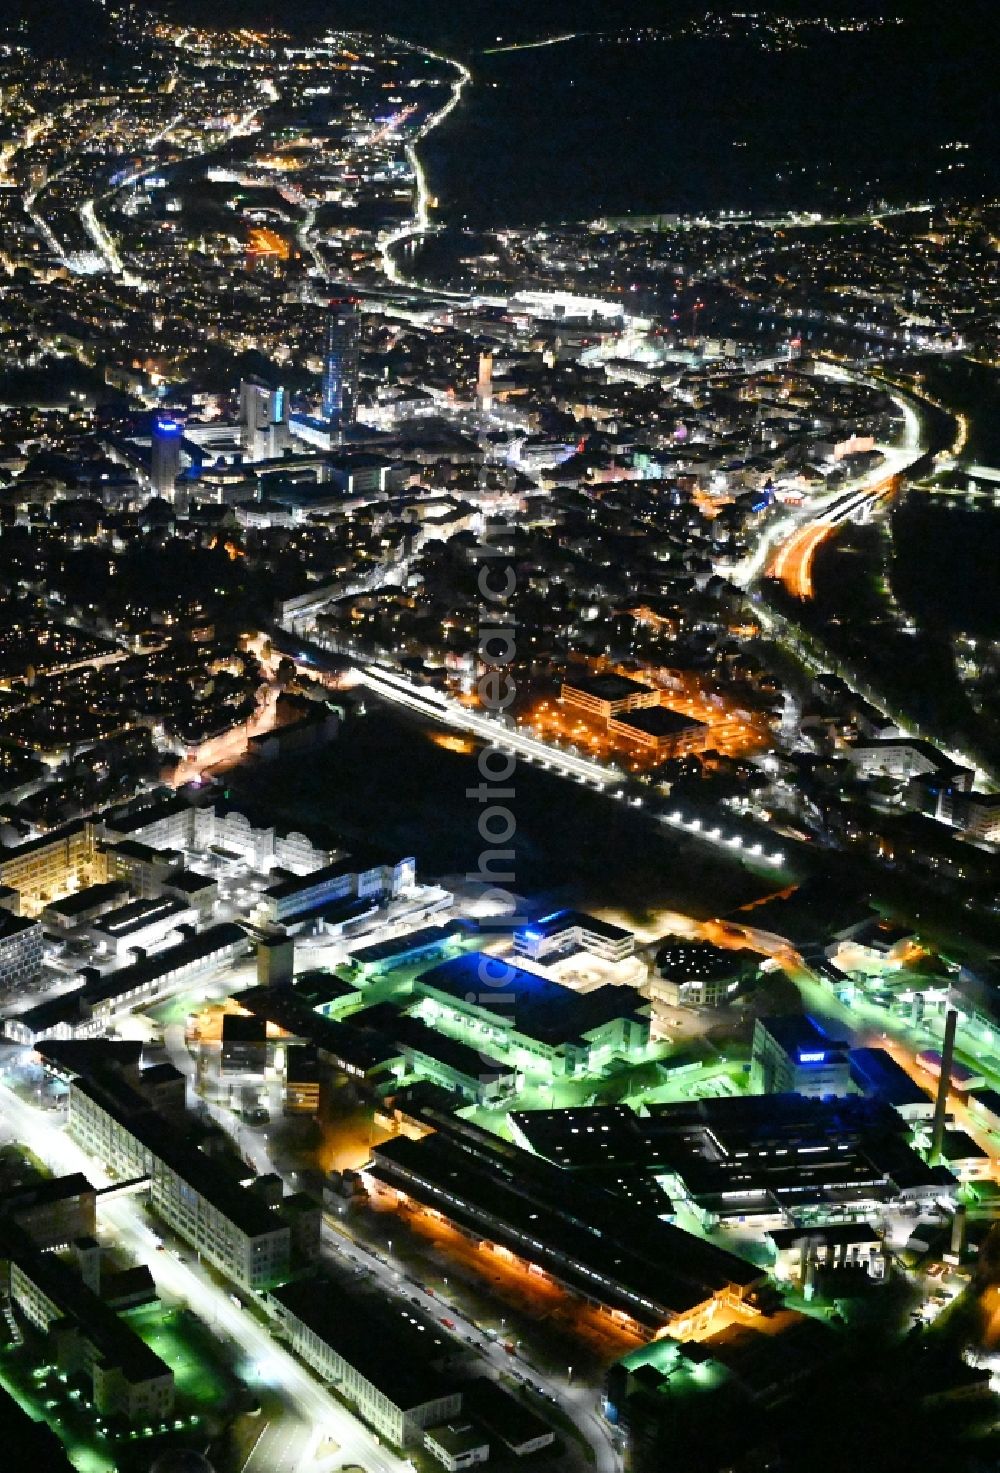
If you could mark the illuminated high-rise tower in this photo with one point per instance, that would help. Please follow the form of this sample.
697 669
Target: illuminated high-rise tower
340 364
263 420
278 432
484 381
165 459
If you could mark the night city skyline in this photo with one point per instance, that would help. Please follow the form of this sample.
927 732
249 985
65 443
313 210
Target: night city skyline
499 737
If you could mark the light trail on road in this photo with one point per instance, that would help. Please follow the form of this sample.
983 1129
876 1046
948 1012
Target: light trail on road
533 45
793 562
342 1241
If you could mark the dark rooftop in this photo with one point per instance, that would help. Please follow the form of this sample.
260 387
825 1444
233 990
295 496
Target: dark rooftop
535 1006
698 961
779 1151
291 884
795 1034
89 1056
877 1073
359 1050
425 938
606 687
203 1174
191 881
52 1189
50 1013
659 721
387 1343
241 1028
567 920
120 821
501 1413
11 925
114 1339
137 914
414 1035
580 1233
83 900
160 963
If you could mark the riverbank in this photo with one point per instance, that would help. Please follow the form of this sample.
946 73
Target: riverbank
967 387
419 223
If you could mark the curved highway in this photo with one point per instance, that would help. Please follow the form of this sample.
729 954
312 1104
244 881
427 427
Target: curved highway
792 564
790 560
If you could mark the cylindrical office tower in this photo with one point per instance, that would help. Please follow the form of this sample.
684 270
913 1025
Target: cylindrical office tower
165 459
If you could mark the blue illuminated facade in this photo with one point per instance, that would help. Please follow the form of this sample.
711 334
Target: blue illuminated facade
572 930
340 364
165 456
793 1054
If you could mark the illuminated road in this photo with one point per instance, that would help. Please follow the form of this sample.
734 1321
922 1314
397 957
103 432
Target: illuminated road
897 459
31 136
102 240
341 1240
266 1360
430 704
284 1446
100 236
874 1026
230 746
421 220
307 244
577 1401
793 562
533 45
390 128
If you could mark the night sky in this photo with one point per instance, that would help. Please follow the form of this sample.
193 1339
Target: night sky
476 22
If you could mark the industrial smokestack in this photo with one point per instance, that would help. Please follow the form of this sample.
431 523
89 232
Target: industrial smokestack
944 1083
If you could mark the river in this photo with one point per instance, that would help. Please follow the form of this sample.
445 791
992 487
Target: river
599 126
